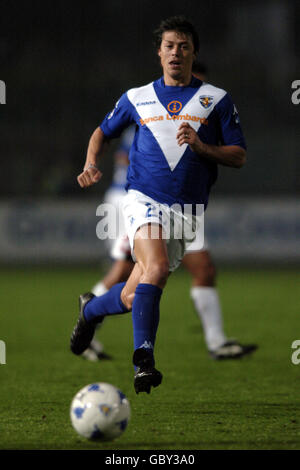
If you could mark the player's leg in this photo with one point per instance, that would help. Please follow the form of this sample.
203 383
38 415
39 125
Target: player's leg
151 268
92 311
119 272
207 305
152 259
205 296
120 252
142 297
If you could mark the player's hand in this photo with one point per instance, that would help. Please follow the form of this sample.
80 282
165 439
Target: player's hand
187 135
89 176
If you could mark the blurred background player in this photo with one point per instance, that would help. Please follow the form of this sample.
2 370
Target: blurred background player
197 261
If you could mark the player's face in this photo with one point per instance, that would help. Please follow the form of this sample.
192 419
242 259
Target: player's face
176 53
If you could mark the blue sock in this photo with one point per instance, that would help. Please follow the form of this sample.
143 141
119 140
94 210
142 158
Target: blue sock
145 316
107 304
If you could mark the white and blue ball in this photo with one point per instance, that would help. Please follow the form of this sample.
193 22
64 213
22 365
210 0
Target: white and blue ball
100 411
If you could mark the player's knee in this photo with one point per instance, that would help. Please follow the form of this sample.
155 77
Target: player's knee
205 274
157 273
211 272
127 299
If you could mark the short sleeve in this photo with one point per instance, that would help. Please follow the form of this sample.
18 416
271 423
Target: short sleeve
119 118
230 128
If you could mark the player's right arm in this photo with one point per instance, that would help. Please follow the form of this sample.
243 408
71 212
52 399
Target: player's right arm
91 174
112 126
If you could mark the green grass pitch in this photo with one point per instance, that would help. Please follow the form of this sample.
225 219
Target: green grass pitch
253 403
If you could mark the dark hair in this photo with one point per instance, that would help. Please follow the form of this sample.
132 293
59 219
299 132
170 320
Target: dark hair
179 24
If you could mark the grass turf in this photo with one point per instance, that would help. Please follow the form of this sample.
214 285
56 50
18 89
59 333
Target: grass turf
252 403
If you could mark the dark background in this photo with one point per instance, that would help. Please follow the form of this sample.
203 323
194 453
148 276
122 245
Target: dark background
66 63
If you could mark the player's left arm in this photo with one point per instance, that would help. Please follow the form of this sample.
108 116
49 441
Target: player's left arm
227 155
232 151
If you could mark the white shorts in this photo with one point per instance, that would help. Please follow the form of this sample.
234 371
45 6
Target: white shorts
179 230
121 249
197 244
118 246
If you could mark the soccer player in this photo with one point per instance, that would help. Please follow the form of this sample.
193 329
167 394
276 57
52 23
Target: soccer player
185 128
197 261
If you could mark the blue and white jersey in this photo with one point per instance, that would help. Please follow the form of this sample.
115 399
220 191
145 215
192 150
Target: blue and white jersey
159 167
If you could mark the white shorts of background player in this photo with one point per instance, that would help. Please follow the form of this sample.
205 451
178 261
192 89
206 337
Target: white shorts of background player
117 243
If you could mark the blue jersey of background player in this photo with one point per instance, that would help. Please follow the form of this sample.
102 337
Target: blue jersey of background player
121 161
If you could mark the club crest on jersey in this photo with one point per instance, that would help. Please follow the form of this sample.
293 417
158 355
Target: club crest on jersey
174 106
206 101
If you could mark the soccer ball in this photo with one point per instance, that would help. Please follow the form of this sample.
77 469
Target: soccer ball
100 411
